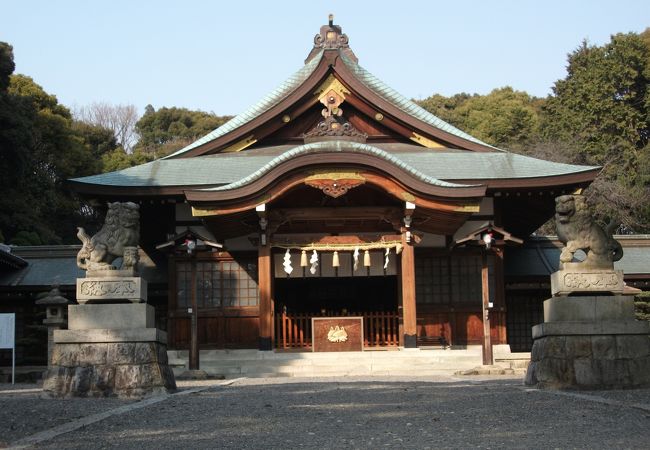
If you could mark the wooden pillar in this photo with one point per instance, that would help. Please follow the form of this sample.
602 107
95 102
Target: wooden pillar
408 295
265 279
194 326
485 283
500 295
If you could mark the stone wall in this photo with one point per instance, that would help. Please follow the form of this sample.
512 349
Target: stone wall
124 369
590 362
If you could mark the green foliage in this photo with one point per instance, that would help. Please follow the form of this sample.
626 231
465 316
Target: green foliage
118 159
602 103
26 238
98 140
601 110
642 306
504 118
599 114
169 129
7 65
39 150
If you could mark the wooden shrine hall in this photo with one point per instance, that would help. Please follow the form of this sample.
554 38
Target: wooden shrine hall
335 197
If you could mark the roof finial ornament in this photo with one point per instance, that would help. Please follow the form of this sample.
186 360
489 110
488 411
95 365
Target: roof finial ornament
331 37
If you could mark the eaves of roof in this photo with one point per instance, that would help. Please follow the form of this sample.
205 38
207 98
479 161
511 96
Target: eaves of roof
173 176
337 147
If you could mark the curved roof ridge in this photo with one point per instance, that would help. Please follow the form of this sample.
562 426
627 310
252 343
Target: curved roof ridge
266 103
334 147
404 104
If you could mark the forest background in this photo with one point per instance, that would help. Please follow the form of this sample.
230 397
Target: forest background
598 114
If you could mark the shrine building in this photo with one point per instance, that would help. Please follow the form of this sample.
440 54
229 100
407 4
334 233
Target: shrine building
335 196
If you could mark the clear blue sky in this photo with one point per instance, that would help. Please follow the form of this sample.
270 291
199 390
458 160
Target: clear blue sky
224 56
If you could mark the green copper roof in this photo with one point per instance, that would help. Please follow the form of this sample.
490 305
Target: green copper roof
57 264
225 168
540 256
335 147
396 99
272 99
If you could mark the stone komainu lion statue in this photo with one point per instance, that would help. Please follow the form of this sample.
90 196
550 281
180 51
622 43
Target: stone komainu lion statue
577 230
119 237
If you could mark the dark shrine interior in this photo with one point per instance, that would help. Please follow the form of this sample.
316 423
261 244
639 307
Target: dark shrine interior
336 296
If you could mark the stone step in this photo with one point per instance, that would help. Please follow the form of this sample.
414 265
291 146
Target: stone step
253 363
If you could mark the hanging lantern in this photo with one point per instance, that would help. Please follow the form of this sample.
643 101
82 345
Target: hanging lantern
303 259
335 260
366 259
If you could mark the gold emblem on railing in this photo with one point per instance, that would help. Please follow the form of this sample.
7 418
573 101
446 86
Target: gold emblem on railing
337 334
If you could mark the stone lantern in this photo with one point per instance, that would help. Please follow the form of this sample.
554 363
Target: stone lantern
55 315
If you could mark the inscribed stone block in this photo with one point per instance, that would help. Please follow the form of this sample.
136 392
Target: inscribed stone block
538 349
92 354
81 380
634 346
603 347
103 379
555 347
110 289
554 371
640 371
120 353
145 353
127 377
582 280
614 372
531 374
66 355
587 373
578 347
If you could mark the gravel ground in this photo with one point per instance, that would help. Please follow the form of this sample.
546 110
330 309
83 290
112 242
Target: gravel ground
447 412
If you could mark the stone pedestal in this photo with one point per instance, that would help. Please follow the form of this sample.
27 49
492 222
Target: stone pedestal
590 342
109 350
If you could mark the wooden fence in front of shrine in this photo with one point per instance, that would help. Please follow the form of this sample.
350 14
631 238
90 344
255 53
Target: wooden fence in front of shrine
293 330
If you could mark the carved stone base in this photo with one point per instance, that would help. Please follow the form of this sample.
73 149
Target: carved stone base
590 343
109 369
111 289
586 281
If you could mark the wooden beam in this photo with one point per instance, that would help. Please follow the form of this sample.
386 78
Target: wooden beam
408 295
325 213
265 278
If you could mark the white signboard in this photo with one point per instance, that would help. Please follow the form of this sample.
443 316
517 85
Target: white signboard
8 339
7 330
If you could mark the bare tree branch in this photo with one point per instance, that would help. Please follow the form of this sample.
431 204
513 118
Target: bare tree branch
121 119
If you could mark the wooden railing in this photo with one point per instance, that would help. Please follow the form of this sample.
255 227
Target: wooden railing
293 330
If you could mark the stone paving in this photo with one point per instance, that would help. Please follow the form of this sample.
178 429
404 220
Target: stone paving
378 412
